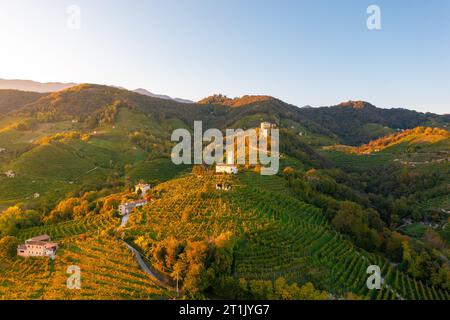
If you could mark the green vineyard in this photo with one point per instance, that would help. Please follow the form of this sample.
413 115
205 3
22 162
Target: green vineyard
299 245
108 271
278 236
72 228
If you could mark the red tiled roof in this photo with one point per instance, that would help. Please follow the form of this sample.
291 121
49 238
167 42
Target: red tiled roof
43 237
36 243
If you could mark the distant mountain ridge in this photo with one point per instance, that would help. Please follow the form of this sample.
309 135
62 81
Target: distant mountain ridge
34 86
161 96
48 87
350 123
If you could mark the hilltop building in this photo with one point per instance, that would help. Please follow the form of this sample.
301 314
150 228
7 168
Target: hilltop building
143 187
229 167
265 128
125 208
39 246
226 168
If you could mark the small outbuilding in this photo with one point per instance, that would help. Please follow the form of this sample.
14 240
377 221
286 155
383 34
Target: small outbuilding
226 168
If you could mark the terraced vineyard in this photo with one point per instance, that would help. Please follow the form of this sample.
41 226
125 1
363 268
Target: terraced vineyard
299 245
277 236
442 203
69 229
108 271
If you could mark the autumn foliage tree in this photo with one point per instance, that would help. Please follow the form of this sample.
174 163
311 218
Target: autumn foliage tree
8 246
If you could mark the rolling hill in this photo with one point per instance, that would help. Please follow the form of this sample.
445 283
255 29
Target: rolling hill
329 213
417 137
418 146
358 122
275 235
11 100
161 96
349 123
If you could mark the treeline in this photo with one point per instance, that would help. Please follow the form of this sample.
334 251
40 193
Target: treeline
76 205
396 191
156 146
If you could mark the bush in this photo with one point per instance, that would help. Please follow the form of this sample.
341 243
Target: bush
8 246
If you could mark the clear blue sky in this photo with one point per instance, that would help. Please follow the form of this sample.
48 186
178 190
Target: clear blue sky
303 52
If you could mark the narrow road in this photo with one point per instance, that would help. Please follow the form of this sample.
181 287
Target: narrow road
145 268
157 279
124 220
91 170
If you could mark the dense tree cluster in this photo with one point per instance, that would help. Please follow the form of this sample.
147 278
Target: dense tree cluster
15 218
8 246
196 264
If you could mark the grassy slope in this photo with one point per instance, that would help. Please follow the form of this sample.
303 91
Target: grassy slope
419 146
55 168
157 170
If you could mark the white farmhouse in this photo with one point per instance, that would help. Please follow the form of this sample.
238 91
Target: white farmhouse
125 208
265 128
229 167
40 246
